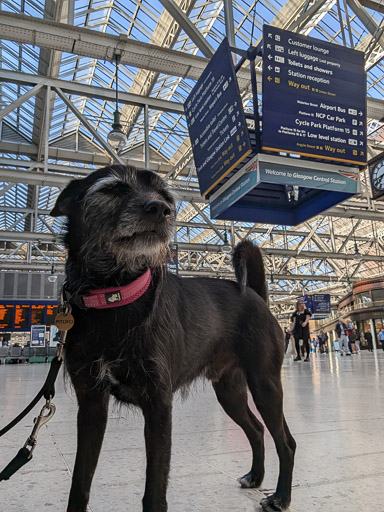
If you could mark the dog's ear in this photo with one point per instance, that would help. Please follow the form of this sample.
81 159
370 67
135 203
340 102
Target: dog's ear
72 193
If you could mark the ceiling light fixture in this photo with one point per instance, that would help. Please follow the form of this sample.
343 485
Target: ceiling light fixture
116 137
356 255
226 244
52 278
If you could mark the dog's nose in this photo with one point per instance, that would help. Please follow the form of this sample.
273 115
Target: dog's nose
157 209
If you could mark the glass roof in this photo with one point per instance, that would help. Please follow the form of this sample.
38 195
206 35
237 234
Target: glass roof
149 22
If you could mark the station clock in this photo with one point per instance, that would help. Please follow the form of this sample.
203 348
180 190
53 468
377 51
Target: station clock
376 172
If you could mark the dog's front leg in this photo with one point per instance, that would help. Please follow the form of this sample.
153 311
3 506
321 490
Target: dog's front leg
91 423
158 427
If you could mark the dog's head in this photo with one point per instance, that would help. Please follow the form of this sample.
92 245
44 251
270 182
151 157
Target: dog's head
118 214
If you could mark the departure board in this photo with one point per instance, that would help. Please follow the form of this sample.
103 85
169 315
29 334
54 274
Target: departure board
21 316
37 314
6 316
51 314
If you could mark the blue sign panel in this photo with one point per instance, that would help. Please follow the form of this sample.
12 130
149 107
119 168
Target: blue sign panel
238 186
37 335
216 121
321 303
338 181
314 98
259 191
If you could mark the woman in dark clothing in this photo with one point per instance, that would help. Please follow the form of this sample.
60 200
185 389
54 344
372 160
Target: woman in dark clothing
300 328
368 337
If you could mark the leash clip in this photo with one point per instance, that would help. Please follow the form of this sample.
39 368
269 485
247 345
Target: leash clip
41 420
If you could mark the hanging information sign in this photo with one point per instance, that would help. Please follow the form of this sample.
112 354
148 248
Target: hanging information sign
314 98
216 121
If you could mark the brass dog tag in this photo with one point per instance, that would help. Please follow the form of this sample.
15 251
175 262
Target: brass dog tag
64 321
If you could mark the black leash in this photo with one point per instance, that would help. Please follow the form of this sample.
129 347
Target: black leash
64 321
48 391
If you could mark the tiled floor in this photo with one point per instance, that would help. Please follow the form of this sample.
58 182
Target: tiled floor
334 407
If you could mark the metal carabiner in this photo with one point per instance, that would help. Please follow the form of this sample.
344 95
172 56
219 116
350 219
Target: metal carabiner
41 420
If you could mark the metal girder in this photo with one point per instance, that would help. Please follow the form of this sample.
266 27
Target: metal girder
307 14
56 180
97 45
96 158
210 248
188 27
373 4
89 127
375 107
320 238
320 254
24 97
90 91
229 22
367 20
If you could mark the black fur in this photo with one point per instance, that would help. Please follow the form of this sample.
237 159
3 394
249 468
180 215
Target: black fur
119 223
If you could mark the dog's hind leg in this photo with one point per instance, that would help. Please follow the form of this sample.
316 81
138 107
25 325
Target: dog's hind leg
268 397
158 428
232 396
91 423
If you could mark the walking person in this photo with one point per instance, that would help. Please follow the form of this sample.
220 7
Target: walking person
352 336
300 329
287 338
368 339
324 339
381 338
341 331
357 341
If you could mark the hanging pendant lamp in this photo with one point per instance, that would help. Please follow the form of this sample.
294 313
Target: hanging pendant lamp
116 137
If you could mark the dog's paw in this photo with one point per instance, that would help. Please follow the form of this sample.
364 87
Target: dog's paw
272 504
250 480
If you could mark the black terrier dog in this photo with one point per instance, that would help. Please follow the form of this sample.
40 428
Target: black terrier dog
140 333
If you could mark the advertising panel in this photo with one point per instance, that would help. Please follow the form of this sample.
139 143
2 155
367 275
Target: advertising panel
314 98
54 336
37 335
172 259
216 121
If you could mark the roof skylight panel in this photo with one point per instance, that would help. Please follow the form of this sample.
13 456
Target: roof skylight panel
10 58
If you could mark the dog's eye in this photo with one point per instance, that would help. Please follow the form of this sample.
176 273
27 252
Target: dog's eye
116 190
168 197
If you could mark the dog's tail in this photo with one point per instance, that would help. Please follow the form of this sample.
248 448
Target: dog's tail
249 268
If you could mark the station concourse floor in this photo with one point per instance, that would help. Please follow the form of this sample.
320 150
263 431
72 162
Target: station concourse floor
334 407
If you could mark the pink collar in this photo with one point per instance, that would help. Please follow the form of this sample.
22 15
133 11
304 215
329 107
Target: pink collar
120 296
